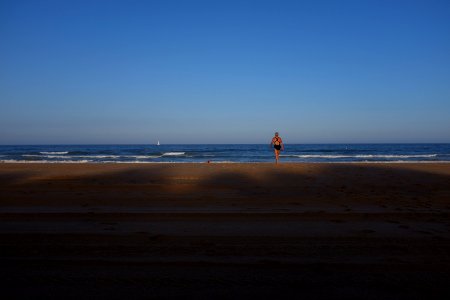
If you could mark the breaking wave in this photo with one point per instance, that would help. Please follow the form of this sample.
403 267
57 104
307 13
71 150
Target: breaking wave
54 152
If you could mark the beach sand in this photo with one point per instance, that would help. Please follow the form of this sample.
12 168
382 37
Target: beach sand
342 231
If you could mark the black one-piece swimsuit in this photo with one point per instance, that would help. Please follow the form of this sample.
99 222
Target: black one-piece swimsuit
278 147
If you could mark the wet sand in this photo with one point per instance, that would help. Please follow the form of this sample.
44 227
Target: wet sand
373 231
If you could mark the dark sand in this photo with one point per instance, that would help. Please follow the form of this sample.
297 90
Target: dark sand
331 231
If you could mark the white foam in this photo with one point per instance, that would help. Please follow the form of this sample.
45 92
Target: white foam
362 156
98 156
143 156
54 152
117 156
44 161
125 162
173 153
85 156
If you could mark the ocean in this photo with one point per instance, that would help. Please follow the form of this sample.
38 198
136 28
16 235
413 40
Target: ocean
224 153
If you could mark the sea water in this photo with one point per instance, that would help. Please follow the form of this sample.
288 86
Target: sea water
224 153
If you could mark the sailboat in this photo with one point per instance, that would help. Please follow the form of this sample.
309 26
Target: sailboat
157 144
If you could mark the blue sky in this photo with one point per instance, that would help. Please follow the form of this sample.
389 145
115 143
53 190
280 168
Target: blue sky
224 71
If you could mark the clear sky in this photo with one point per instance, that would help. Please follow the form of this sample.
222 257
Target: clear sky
224 71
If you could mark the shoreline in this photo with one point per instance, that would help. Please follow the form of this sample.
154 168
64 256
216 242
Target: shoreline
224 162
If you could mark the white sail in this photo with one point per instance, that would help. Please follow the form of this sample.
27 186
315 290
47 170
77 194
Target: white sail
157 144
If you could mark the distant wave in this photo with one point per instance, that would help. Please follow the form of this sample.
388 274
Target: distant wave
173 153
85 156
54 152
93 156
361 156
